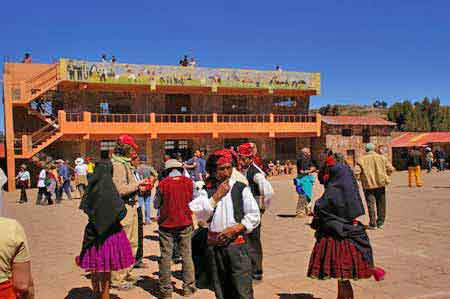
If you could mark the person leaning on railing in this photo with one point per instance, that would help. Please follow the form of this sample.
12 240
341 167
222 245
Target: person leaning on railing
15 262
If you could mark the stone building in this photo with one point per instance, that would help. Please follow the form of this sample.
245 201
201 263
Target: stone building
349 135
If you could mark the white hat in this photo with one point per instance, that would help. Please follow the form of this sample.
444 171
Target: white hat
172 163
79 161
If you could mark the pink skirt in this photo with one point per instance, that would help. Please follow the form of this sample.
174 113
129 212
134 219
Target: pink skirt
114 254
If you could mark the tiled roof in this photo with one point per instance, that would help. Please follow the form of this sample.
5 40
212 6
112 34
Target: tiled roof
356 120
410 139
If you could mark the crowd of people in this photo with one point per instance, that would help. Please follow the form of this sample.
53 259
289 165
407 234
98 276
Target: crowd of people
209 213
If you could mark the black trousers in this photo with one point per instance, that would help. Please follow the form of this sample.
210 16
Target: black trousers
376 204
23 192
140 249
231 271
42 192
256 252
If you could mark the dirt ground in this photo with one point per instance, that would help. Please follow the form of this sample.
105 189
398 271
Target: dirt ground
413 247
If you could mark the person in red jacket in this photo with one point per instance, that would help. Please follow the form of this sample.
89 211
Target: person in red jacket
173 196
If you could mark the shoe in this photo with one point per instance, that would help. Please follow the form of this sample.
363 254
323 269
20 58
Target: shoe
371 227
124 286
258 276
380 226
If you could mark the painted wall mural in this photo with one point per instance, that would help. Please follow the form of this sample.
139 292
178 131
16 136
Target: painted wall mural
108 72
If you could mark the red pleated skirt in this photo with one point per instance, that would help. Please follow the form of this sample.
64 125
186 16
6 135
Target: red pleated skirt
340 259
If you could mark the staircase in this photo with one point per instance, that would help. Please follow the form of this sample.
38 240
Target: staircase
39 140
39 84
30 90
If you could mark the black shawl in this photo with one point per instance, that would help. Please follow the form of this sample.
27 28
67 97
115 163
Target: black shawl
336 210
103 205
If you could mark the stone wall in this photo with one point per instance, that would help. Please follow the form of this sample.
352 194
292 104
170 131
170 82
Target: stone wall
380 136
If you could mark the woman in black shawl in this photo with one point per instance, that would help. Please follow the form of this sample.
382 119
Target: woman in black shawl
105 244
342 250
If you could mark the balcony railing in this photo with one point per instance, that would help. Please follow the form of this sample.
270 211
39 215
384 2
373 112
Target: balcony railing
183 118
190 124
295 118
119 118
74 116
192 118
243 118
152 75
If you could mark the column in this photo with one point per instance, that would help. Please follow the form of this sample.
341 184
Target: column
9 131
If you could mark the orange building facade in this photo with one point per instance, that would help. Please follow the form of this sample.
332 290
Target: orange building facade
78 108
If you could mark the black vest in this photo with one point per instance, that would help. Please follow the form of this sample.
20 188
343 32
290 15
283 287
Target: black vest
251 172
236 197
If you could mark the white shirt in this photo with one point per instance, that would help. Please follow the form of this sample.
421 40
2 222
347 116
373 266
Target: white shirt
41 178
81 169
203 207
23 176
265 187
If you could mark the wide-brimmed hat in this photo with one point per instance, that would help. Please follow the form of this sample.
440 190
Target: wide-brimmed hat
79 161
172 163
23 166
59 161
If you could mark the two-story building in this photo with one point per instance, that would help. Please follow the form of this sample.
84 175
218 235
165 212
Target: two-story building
78 108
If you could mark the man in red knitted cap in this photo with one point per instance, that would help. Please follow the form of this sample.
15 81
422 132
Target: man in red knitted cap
262 191
231 212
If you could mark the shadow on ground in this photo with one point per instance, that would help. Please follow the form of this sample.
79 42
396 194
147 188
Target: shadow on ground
287 215
151 286
152 238
84 293
296 296
152 258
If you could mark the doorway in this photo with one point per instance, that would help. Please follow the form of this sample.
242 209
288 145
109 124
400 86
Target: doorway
285 149
178 148
178 104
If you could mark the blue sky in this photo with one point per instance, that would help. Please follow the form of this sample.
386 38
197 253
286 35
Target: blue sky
365 50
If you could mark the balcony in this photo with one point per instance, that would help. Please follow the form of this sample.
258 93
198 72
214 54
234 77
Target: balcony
182 125
189 79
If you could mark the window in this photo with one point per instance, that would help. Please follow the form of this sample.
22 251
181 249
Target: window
169 144
284 102
107 145
366 135
347 132
235 105
284 105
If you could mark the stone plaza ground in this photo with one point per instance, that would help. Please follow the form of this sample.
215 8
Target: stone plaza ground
413 247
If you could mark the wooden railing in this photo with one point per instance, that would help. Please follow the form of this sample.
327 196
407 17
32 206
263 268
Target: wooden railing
74 116
184 118
119 118
43 134
280 118
192 118
37 85
243 118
